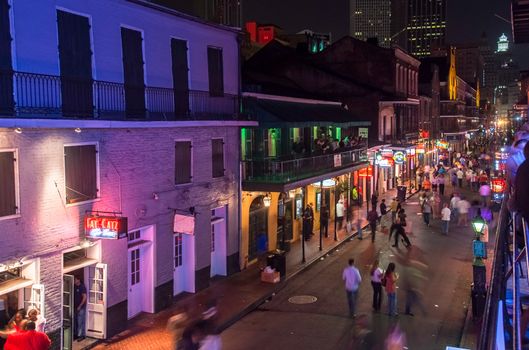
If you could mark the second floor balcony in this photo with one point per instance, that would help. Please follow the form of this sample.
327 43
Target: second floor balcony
275 174
31 95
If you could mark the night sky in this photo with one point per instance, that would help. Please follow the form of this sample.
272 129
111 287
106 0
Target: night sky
467 19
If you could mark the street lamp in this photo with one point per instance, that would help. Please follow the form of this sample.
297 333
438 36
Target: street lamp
479 290
478 224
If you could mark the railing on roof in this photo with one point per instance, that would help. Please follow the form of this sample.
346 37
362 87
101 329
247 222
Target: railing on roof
501 323
49 96
278 170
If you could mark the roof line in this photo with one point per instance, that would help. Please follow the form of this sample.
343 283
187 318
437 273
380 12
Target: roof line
289 99
176 13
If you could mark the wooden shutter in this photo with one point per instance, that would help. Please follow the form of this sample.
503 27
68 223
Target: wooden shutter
6 68
81 173
182 162
180 77
8 202
215 72
133 75
217 153
75 58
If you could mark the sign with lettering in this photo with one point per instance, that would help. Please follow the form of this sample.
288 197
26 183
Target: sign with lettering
399 157
106 227
337 160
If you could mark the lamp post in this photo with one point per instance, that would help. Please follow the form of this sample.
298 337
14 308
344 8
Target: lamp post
478 268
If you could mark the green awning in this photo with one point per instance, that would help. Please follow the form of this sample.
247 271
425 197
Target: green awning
276 114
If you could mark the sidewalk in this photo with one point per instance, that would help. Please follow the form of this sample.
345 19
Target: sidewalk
236 295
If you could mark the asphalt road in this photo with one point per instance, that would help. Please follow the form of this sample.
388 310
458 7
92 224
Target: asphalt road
445 263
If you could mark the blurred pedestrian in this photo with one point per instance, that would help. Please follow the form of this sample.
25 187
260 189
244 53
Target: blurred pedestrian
484 192
441 184
177 325
376 282
445 218
390 284
372 217
463 207
351 277
27 339
35 316
426 212
324 221
393 207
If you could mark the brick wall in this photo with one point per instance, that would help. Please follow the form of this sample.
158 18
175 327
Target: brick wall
134 164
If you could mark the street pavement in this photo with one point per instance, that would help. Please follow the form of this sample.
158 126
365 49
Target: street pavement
324 324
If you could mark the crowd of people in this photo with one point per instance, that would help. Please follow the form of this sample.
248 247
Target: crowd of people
326 144
24 331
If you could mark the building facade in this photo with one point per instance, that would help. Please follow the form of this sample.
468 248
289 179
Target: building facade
371 19
225 12
419 26
119 155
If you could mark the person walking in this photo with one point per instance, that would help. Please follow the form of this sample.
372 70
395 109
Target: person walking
340 209
324 221
474 181
390 284
426 184
460 174
80 308
351 277
376 282
441 183
463 207
445 218
453 206
393 207
26 339
398 231
383 207
426 211
306 224
484 192
374 201
372 217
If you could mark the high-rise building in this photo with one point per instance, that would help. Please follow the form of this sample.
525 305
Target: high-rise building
470 63
418 25
226 12
371 19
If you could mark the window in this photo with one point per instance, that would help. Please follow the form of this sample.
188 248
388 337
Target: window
80 163
134 236
8 192
182 162
133 74
217 155
134 266
177 250
215 72
6 67
180 76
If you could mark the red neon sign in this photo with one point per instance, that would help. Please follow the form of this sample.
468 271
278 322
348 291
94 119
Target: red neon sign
366 172
498 185
107 227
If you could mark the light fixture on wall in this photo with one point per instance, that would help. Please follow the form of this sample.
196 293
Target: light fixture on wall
291 194
18 130
85 243
77 130
267 200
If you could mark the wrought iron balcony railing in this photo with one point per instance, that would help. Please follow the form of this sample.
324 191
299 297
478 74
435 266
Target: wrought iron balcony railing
274 170
49 96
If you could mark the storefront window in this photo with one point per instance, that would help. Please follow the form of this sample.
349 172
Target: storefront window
258 227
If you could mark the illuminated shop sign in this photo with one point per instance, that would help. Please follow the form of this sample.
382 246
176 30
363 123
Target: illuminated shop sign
366 172
106 227
399 157
383 161
442 144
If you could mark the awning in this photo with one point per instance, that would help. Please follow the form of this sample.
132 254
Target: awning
272 113
76 264
14 284
184 224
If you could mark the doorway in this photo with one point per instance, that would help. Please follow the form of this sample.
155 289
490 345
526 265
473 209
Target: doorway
218 242
140 271
258 226
184 263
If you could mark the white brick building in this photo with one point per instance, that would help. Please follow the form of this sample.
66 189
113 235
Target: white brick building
115 109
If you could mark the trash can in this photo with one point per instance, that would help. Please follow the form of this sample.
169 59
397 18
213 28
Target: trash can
401 193
278 261
479 296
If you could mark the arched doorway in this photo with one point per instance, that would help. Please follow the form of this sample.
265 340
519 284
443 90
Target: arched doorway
258 227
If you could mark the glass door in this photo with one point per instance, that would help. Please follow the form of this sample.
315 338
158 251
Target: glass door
67 312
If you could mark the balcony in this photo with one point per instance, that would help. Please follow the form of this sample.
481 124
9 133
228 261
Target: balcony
273 174
31 95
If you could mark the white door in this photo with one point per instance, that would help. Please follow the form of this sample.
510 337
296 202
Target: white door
178 266
218 248
96 310
34 298
135 282
184 263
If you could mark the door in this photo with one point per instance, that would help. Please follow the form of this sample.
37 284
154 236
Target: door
135 281
34 298
184 263
218 248
67 311
97 299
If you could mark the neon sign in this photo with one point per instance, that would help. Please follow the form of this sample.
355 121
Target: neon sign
399 157
105 227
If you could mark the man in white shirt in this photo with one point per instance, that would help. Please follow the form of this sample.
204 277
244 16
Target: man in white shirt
460 175
463 207
352 279
445 218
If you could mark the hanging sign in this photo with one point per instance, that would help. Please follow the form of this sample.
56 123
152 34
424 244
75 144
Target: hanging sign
498 185
105 227
442 144
366 172
399 157
384 162
337 160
